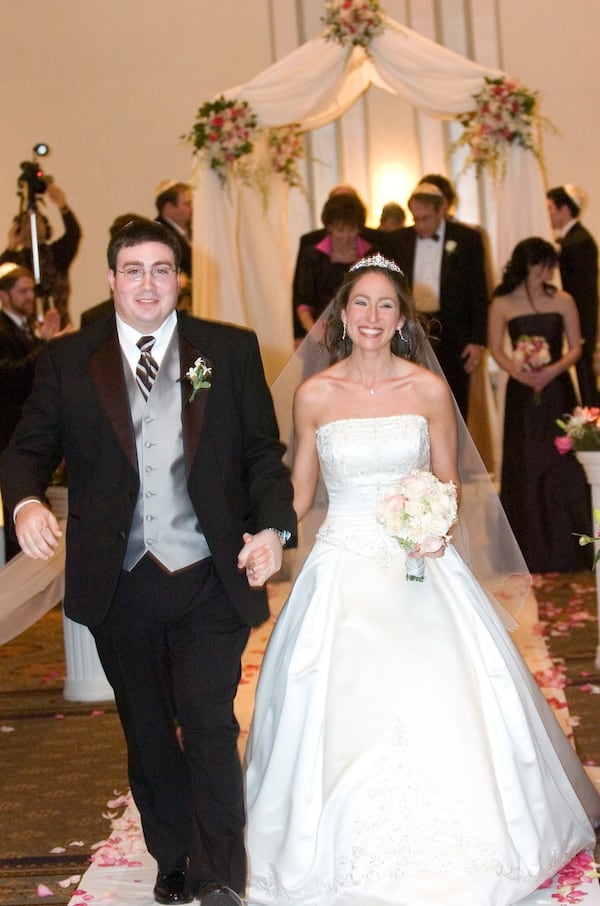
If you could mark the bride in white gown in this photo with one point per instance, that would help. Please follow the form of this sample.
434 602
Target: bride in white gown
400 753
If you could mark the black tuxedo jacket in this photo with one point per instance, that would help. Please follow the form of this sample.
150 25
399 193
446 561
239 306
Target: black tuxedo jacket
463 289
578 262
186 248
18 356
79 410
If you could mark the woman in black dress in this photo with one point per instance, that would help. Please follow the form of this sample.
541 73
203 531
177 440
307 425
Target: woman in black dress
544 493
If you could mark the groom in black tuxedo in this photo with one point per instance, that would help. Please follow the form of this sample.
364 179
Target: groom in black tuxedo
444 262
179 506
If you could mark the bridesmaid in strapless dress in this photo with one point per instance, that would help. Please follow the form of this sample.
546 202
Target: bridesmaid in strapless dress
545 493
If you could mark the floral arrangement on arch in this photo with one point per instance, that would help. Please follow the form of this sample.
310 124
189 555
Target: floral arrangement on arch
353 22
582 430
224 131
506 112
286 149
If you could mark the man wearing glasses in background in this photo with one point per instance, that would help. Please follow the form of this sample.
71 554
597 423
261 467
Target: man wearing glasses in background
179 506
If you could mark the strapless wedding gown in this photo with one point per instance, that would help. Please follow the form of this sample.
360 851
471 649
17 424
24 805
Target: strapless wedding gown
399 753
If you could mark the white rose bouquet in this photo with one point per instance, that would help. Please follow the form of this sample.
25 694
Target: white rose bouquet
419 511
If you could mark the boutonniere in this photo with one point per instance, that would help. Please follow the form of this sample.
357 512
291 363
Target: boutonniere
450 246
197 376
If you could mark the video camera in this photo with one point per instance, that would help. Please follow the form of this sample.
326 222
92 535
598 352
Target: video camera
32 181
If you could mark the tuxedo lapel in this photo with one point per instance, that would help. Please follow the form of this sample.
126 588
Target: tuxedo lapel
105 367
194 412
445 270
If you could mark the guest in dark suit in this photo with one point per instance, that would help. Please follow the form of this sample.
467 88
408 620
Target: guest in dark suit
19 351
578 264
444 263
179 506
174 206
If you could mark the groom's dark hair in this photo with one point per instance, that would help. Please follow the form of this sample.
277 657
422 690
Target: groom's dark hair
139 231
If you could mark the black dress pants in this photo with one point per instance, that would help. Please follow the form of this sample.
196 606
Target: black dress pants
171 647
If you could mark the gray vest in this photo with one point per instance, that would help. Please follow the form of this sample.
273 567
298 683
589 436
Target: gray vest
164 522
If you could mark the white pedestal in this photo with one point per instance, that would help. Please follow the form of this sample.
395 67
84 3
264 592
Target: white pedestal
85 680
591 464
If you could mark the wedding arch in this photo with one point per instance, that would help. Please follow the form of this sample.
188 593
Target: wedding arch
242 259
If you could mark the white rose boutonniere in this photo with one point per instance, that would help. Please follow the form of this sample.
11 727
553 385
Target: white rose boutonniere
450 246
197 376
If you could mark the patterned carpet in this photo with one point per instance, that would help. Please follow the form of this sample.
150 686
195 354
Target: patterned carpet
62 762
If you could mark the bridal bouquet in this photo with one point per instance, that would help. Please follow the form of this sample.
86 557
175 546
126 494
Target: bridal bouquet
532 353
418 512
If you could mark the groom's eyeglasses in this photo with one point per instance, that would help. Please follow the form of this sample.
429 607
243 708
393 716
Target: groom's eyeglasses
157 272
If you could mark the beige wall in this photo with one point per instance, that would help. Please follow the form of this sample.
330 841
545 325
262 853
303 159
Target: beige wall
112 84
553 46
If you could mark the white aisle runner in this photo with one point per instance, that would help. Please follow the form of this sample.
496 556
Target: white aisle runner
123 873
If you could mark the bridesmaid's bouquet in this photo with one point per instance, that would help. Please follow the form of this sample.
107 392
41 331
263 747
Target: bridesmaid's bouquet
532 353
418 512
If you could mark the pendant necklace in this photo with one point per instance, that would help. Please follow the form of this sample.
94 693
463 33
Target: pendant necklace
373 390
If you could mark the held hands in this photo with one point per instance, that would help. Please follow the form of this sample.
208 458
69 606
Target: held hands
260 557
537 379
38 531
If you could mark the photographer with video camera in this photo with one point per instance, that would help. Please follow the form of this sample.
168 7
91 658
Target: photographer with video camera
54 257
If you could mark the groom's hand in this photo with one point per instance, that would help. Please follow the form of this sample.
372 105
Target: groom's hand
37 530
260 556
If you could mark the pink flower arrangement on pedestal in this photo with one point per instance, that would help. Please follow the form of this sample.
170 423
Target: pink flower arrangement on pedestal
582 430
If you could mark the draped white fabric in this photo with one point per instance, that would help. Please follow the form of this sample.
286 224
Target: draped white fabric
28 590
242 261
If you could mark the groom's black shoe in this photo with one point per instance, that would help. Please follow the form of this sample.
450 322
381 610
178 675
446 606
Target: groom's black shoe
218 895
171 886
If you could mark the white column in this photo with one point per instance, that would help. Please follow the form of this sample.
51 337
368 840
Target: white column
591 464
85 680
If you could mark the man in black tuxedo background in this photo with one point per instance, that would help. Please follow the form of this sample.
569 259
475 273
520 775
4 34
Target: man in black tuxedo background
20 347
578 264
174 207
179 506
444 263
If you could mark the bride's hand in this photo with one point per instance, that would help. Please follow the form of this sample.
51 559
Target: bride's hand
433 548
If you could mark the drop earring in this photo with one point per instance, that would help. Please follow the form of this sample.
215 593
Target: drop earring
400 334
344 331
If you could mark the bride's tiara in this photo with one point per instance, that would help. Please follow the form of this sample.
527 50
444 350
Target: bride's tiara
377 261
